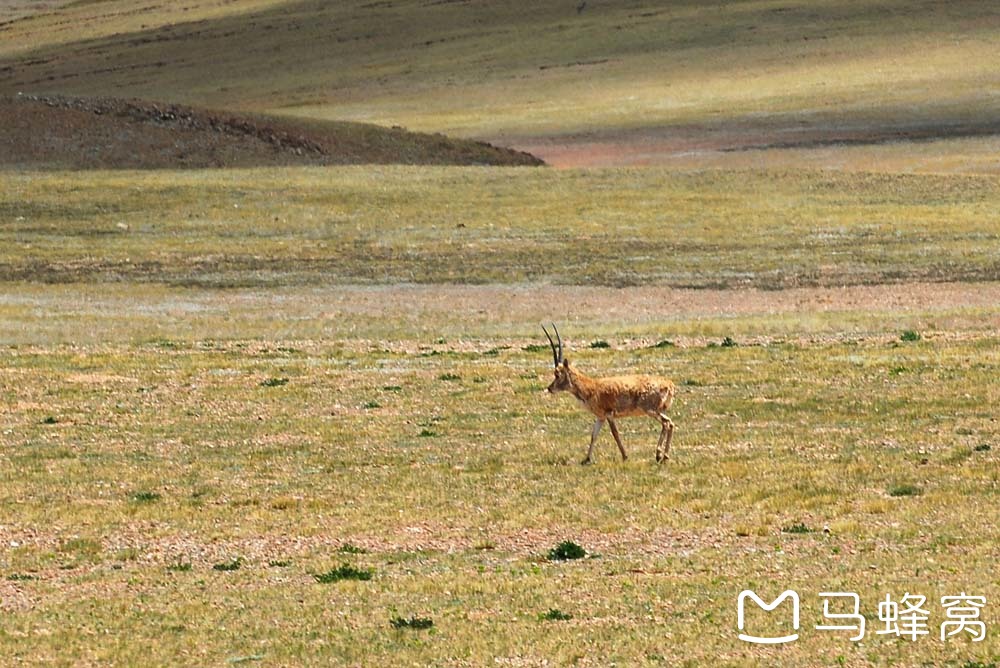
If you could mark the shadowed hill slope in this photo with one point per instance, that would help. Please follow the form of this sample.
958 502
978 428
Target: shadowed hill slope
783 75
110 133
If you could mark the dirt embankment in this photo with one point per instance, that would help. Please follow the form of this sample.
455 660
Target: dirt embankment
52 131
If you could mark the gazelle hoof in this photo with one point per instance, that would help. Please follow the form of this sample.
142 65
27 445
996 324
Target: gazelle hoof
586 462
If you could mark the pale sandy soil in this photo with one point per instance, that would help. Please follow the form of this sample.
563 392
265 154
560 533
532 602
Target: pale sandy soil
922 149
635 304
409 316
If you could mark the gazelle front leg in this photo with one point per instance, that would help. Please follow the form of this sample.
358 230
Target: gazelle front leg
618 439
593 439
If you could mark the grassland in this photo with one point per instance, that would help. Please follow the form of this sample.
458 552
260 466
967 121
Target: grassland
167 417
441 225
296 416
133 466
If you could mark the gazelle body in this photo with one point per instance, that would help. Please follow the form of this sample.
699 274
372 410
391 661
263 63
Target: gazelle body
615 397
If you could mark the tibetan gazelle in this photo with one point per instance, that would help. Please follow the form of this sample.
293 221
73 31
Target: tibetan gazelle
615 397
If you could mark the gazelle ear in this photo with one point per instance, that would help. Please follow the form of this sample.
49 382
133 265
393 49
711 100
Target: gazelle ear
566 364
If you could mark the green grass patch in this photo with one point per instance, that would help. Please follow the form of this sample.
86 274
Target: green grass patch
565 551
798 527
554 615
180 565
344 572
413 623
231 565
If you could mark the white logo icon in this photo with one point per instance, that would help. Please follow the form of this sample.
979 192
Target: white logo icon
788 593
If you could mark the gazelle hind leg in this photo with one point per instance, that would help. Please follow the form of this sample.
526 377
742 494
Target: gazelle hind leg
593 439
666 434
618 439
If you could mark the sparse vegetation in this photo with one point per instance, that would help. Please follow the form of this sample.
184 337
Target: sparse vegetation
798 527
231 565
905 490
415 623
344 572
179 565
910 335
554 615
566 551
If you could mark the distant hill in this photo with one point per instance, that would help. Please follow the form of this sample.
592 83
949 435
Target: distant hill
55 131
664 81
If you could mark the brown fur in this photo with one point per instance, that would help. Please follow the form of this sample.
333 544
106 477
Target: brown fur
619 396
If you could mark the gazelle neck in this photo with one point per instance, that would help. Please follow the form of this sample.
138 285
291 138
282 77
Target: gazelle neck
581 385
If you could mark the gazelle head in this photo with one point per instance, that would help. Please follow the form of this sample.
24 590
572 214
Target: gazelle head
562 380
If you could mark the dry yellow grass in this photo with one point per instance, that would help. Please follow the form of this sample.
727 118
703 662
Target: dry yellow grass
133 466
